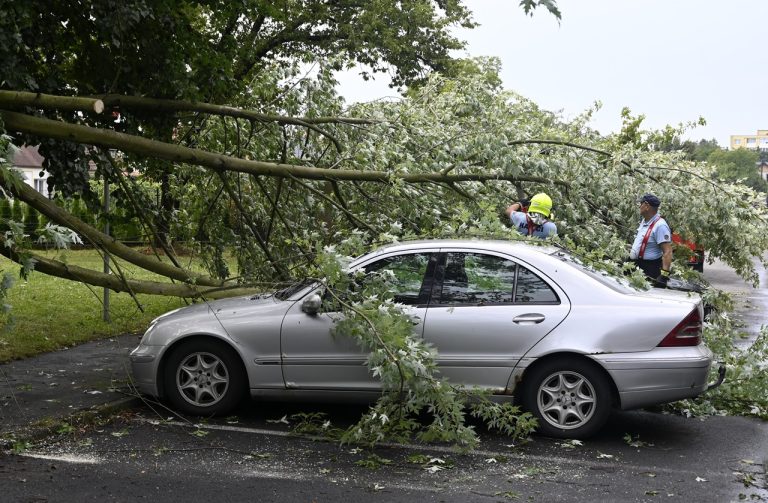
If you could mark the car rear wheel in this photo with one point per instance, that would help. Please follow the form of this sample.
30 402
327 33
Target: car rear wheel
569 398
204 378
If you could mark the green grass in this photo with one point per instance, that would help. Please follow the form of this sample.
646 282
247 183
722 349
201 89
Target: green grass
51 313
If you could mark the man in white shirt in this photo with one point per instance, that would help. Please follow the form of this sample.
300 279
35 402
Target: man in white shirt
652 248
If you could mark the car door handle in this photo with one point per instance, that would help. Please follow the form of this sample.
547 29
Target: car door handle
529 319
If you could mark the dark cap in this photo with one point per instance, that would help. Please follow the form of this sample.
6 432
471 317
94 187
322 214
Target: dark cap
650 199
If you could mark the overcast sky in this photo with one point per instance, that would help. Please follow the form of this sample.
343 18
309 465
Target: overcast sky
672 60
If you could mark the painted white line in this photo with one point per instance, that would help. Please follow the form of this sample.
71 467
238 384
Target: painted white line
218 427
66 458
261 474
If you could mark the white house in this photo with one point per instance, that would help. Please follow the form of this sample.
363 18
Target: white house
29 162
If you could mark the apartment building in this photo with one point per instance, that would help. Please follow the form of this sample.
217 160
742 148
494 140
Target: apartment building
757 141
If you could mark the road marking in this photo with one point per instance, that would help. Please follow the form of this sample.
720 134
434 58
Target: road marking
66 458
219 427
275 475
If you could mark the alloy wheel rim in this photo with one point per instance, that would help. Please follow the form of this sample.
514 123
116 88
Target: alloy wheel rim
202 379
566 400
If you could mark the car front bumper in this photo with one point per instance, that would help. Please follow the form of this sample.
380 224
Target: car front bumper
144 362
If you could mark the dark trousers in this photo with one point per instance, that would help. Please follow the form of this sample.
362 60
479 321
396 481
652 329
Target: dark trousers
651 268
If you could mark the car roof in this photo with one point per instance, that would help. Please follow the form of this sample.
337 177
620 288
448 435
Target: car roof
518 247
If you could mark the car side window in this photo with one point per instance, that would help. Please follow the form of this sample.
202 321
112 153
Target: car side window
479 279
474 278
531 289
409 272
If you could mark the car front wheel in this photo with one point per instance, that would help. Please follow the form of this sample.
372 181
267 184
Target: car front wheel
204 378
569 398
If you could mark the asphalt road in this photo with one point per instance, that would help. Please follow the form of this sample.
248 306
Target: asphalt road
640 456
147 454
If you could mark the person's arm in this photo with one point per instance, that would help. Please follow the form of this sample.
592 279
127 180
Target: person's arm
513 207
666 257
666 264
551 229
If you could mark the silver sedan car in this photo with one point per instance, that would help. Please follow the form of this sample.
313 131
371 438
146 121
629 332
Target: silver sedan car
529 323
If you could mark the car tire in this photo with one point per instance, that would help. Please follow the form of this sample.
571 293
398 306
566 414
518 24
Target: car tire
570 398
204 378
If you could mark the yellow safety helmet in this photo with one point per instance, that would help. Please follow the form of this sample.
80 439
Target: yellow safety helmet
540 203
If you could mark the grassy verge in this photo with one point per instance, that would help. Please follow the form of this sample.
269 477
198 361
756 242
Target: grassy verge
50 313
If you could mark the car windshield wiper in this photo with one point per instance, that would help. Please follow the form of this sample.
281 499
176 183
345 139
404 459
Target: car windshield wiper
287 292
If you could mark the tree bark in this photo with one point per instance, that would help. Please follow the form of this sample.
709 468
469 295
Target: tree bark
177 153
30 196
115 283
14 99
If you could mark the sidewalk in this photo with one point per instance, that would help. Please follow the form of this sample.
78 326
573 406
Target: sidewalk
43 391
50 387
751 303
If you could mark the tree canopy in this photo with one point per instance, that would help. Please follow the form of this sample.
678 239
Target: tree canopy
257 160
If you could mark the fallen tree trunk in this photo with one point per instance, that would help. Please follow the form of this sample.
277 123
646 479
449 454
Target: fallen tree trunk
159 150
24 192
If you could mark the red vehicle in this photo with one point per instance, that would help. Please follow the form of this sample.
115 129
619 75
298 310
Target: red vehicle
696 260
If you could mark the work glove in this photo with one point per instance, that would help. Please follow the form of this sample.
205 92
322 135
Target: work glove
663 279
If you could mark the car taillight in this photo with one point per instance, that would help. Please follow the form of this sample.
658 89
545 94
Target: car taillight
686 333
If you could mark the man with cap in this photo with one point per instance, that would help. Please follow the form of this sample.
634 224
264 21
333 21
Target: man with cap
535 221
652 249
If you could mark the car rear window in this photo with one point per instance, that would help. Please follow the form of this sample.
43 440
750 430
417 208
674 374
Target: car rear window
620 285
532 289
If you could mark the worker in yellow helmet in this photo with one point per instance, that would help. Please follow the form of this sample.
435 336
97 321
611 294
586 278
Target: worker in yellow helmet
535 221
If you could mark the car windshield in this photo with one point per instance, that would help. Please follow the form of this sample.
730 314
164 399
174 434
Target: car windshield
620 285
292 289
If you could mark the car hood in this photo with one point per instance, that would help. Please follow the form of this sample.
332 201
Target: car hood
224 308
216 317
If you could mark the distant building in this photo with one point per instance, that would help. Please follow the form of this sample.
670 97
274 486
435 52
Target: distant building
29 162
758 141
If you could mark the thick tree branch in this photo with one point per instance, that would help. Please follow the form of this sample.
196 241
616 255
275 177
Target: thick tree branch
141 103
177 153
30 196
14 99
564 144
115 283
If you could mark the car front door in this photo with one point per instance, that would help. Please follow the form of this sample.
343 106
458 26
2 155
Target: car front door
485 313
314 357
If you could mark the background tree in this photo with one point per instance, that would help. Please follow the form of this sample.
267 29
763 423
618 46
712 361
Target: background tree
703 149
210 50
738 164
248 53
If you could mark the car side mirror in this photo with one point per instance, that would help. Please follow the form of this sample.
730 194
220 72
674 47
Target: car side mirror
311 305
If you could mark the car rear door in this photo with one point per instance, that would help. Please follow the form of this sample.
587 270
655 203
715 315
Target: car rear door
486 311
314 358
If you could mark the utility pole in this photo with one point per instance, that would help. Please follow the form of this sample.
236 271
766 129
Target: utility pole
105 313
